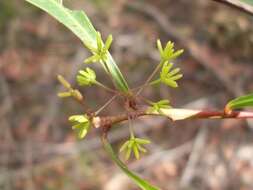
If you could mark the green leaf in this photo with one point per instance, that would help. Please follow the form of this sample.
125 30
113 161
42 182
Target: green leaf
168 76
136 152
143 184
108 42
80 25
124 146
240 102
168 53
142 141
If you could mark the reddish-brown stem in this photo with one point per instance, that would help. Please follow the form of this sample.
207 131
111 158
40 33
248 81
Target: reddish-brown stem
200 114
223 115
110 120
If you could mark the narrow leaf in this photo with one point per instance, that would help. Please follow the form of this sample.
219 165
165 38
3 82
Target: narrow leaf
124 146
80 25
136 152
241 102
143 184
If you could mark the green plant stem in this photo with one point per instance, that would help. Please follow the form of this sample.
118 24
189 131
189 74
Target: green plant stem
141 86
105 87
155 82
144 185
131 130
146 85
149 102
150 78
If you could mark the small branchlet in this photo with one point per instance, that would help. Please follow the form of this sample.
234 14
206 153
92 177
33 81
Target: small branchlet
168 76
167 54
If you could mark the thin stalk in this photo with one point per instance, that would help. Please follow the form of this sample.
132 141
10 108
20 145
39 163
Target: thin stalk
145 85
131 130
141 86
105 105
150 77
149 102
105 87
155 82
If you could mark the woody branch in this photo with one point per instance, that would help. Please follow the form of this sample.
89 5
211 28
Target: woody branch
179 114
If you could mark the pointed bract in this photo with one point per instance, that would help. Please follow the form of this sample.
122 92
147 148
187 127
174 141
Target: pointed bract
86 77
168 76
134 145
168 53
81 124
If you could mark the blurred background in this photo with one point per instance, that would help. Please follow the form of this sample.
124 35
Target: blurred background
38 149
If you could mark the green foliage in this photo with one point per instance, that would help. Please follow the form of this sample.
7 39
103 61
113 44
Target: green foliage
100 53
143 184
86 77
81 124
134 145
240 102
168 76
158 106
168 53
80 25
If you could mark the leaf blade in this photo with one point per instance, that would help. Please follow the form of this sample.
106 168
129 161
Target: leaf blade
143 184
79 23
241 102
